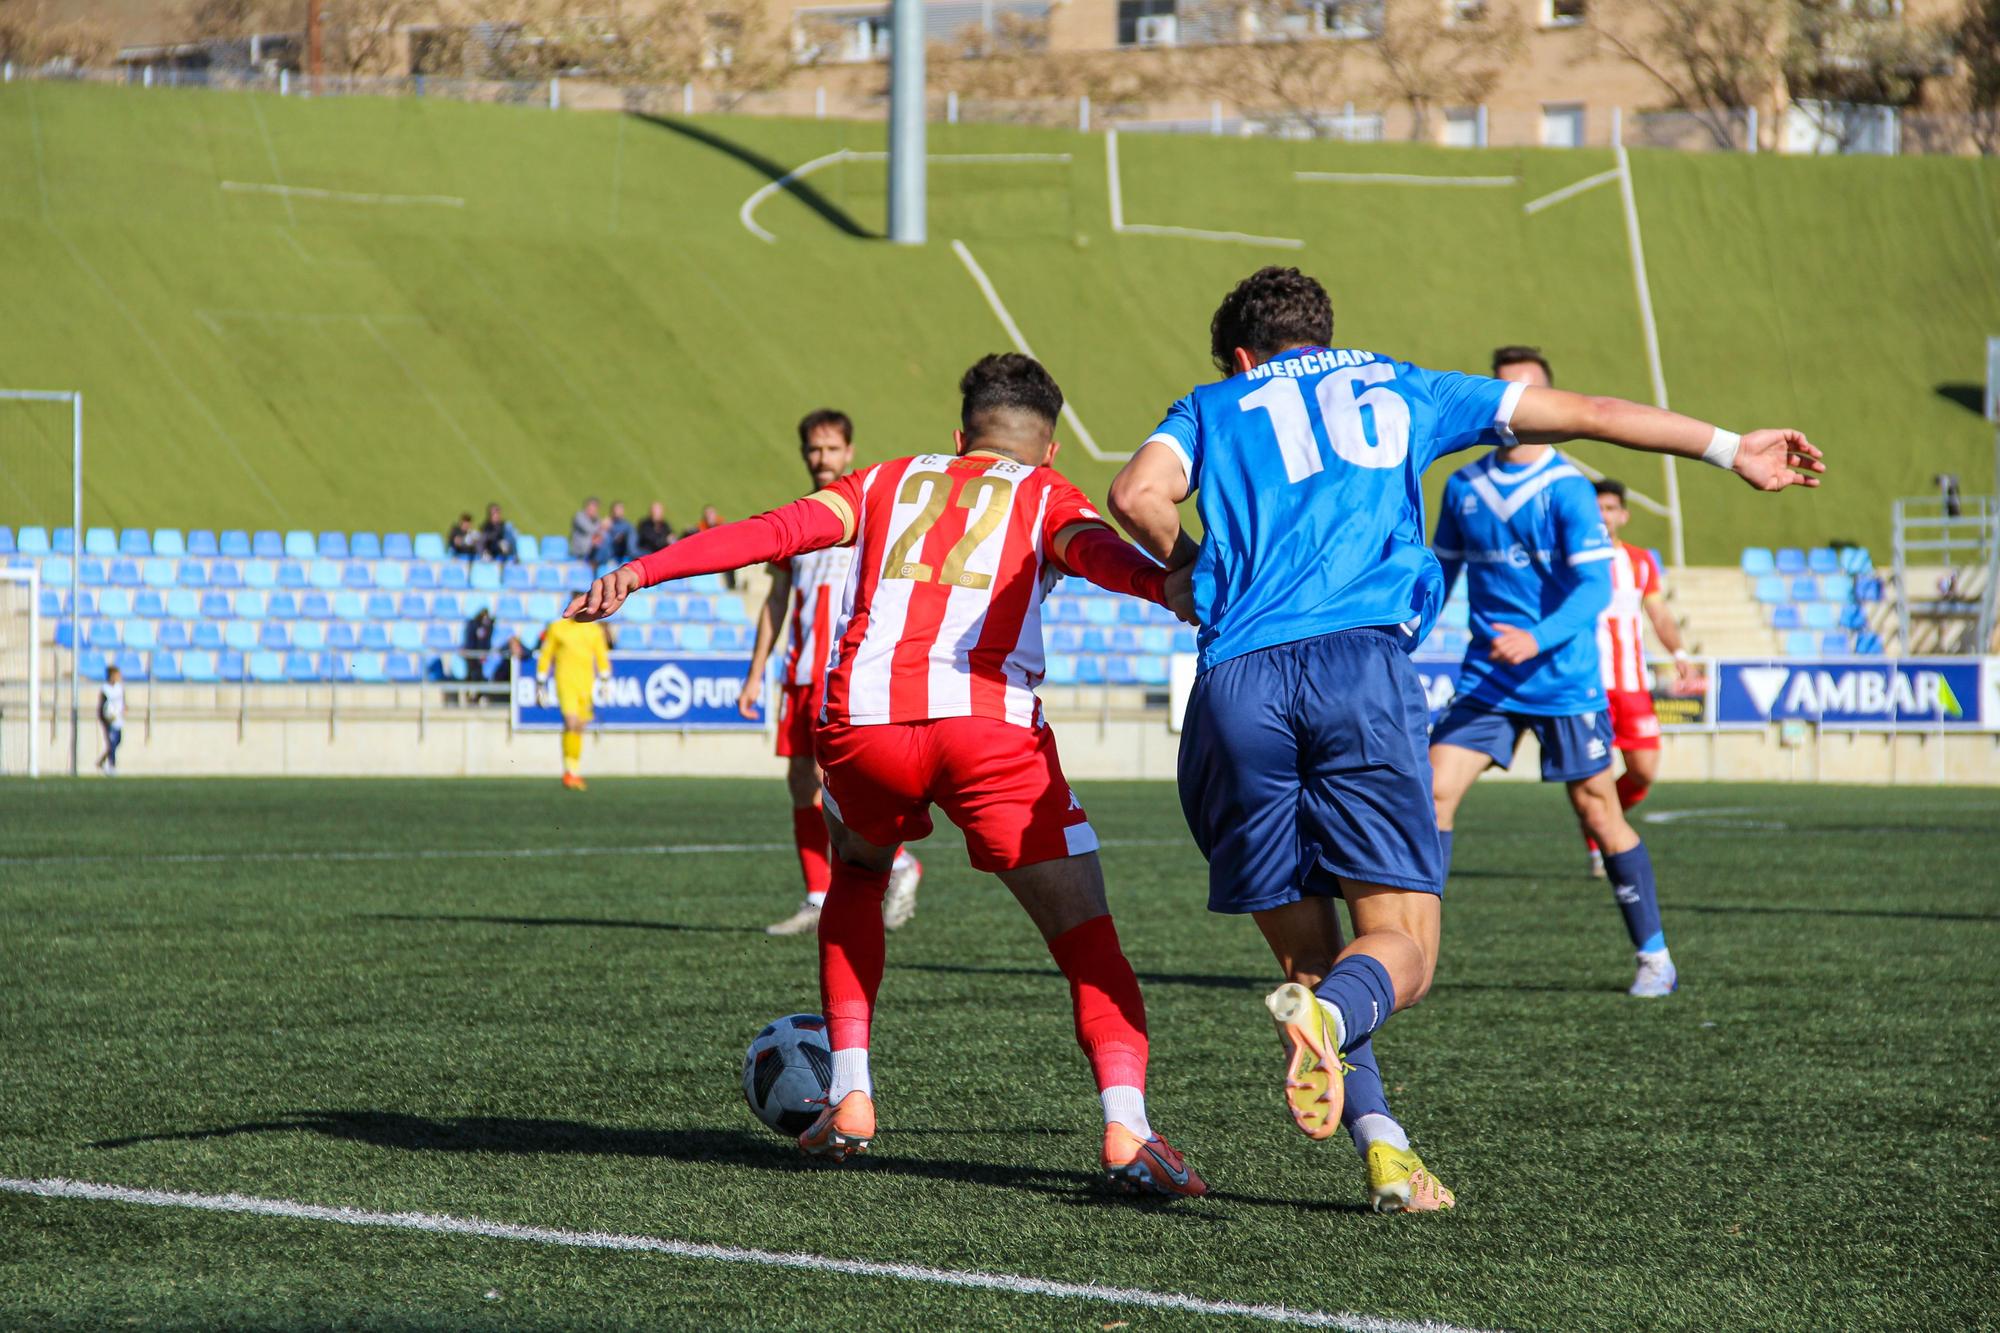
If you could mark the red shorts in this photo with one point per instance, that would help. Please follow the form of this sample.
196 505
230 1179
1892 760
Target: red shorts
1002 785
798 709
1633 723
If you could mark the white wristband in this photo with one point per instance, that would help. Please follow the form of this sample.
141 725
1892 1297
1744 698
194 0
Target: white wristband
1680 655
1722 449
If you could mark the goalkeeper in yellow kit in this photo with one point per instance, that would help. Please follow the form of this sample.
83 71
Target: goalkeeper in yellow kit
578 655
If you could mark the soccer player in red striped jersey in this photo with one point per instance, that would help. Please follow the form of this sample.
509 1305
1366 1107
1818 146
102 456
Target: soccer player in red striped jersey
1636 584
931 699
806 592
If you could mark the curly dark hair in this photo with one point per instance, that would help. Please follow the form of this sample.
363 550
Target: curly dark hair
1008 382
1272 309
1517 355
825 416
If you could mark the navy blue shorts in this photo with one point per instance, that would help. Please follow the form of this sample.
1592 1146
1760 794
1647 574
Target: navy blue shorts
1307 763
1573 748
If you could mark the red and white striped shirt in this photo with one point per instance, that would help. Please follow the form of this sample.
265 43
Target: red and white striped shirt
943 609
819 580
1621 632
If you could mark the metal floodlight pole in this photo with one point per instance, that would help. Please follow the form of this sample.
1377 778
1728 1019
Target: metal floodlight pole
75 577
906 123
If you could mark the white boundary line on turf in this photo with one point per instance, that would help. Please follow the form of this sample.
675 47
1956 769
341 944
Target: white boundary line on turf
747 214
1652 332
1120 226
999 308
291 192
1400 178
1570 191
460 853
443 1224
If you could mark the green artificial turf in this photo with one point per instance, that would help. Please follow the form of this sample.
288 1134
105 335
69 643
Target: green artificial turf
330 992
591 315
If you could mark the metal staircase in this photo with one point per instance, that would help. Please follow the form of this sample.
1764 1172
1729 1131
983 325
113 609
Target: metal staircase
1962 551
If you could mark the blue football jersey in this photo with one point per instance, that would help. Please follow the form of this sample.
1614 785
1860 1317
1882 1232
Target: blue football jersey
1526 536
1308 472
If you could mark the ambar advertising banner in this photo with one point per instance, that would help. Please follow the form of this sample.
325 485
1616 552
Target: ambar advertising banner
651 692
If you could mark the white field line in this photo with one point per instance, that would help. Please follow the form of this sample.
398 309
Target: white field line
999 308
1570 191
746 214
1717 818
458 853
970 1279
271 152
1119 226
1652 331
1398 178
291 192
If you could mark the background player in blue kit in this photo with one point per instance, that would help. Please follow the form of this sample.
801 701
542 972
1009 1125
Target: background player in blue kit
1304 769
1525 526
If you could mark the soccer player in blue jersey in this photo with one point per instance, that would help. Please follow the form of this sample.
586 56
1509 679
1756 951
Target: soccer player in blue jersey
1524 525
1304 768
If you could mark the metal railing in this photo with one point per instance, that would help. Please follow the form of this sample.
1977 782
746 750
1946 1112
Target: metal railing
1966 543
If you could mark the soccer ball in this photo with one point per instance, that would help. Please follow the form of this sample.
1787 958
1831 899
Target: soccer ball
786 1072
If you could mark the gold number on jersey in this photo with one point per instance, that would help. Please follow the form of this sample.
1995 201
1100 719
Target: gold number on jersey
996 491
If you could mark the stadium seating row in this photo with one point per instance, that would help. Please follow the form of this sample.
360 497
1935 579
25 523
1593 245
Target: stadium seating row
187 604
436 637
1818 616
1790 560
1067 669
265 544
1839 643
324 575
1772 589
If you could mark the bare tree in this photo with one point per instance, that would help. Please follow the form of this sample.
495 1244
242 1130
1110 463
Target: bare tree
1270 56
1861 52
1428 60
1010 61
365 36
1711 58
1975 40
29 36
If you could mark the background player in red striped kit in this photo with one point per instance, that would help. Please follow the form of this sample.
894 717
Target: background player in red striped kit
806 593
1636 584
931 700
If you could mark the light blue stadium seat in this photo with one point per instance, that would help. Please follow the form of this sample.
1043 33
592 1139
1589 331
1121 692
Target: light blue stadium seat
102 634
140 636
330 546
90 666
64 542
1100 611
1820 615
208 635
1785 615
440 637
240 635
1131 611
1868 589
375 637
251 605
455 575
202 542
64 639
198 666
301 667
300 545
309 636
403 668
1095 640
1856 560
1120 670
323 574
1089 671
314 606
1156 640
1799 643
174 634
1804 588
292 574
698 608
260 574
544 606
335 667
697 638
237 545
90 572
1063 638
32 540
168 542
149 605
282 606
549 578
354 574
1758 561
413 606
1835 643
391 574
1853 617
274 635
125 573
427 546
1771 588
380 606
485 577
407 637
157 573
6 540
1061 669
732 638
166 668
516 578
265 544
553 548
1791 560
115 603
55 570
100 542
135 542
1868 643
192 574
510 607
1822 560
134 665
1125 639
348 606
660 638
445 607
367 667
225 574
421 575
49 604
340 636
1836 587
266 668
729 610
395 546
1153 671
1184 640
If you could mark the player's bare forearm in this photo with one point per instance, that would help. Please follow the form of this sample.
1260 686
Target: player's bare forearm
1664 623
1769 460
1145 498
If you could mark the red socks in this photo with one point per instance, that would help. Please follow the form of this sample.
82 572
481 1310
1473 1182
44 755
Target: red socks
1110 1013
1631 790
809 832
850 953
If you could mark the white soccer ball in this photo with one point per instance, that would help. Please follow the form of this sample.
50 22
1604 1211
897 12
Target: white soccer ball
787 1071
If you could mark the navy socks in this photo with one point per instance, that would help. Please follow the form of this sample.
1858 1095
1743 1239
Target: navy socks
1359 987
1631 876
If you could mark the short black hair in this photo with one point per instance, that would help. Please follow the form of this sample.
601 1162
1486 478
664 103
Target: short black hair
825 416
1272 309
1008 382
1517 354
1607 486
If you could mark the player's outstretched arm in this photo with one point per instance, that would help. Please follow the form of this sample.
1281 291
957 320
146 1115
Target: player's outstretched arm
1145 497
820 520
1093 551
1769 460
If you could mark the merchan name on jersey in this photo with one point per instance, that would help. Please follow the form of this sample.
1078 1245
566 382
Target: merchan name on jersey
1312 363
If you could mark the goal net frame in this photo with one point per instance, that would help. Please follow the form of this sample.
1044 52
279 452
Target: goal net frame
31 579
75 399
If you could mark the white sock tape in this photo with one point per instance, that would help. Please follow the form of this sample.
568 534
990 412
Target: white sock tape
1722 449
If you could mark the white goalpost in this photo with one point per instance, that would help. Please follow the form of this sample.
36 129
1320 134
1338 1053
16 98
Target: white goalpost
40 505
21 672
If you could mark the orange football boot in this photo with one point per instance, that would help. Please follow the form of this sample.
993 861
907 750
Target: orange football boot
1148 1166
842 1131
1315 1075
574 782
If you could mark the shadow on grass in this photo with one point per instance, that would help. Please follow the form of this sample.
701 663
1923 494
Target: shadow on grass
1879 914
1205 980
773 170
602 922
713 1147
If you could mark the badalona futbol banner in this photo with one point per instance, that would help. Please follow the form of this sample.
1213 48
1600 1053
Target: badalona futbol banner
652 692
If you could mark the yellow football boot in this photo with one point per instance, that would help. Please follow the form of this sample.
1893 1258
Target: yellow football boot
1398 1182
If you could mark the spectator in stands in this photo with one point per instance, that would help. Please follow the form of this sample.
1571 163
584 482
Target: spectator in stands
586 530
655 533
478 644
497 538
463 539
621 540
